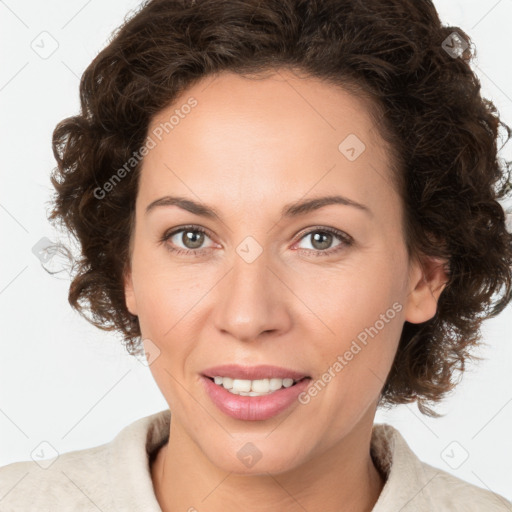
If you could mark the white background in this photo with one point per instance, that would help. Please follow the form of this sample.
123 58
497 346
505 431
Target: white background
66 382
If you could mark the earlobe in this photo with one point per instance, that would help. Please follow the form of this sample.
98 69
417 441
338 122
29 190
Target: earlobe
131 303
428 280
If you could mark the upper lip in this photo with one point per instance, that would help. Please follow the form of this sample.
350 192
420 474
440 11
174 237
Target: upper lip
253 372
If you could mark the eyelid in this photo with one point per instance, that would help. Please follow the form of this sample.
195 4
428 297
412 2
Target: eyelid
325 229
345 238
190 227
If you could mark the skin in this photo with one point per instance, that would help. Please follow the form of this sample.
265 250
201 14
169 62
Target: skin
248 148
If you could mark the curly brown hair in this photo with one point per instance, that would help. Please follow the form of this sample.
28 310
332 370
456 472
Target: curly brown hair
443 137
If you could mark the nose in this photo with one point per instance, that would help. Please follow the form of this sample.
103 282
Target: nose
252 300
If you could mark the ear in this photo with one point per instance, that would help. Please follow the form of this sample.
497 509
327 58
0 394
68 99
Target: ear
427 279
129 294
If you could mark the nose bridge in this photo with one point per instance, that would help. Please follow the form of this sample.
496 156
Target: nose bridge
250 301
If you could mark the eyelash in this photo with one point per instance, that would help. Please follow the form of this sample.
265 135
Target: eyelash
346 240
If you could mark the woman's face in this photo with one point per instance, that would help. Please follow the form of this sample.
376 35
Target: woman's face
320 291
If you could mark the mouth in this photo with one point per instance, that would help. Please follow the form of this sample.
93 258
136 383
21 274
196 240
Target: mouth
266 371
257 387
251 400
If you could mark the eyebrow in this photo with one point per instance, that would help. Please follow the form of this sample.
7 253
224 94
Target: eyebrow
290 210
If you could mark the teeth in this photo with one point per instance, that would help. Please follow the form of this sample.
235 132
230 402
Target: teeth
252 387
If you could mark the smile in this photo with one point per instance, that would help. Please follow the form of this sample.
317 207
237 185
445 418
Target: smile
259 387
254 405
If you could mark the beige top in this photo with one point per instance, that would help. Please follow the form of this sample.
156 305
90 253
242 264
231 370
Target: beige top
116 477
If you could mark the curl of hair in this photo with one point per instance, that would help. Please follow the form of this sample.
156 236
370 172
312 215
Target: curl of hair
442 136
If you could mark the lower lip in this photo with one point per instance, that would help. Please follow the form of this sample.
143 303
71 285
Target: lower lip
251 408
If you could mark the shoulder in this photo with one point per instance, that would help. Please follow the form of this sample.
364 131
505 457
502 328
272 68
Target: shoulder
112 476
457 494
413 485
69 480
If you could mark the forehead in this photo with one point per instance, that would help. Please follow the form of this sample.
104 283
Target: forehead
249 138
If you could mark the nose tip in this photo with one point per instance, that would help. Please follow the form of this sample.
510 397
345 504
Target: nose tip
250 304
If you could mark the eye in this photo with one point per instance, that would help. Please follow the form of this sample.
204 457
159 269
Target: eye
322 239
192 238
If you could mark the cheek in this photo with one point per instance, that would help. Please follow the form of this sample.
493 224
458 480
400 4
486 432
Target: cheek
353 363
361 312
162 291
171 315
348 299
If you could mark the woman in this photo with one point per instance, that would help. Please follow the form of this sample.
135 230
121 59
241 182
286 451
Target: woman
291 208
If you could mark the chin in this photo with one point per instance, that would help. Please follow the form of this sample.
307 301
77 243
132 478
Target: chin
254 458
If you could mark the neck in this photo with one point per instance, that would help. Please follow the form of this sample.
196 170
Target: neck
343 477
